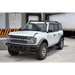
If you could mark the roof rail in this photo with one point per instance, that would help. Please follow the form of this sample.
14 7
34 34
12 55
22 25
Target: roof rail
56 21
35 21
42 21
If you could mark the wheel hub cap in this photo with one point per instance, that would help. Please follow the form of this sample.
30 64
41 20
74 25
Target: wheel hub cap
43 51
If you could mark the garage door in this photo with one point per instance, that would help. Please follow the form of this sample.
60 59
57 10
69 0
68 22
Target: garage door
14 20
33 18
2 20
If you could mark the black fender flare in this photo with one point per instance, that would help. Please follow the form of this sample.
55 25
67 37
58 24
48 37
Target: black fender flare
43 39
61 37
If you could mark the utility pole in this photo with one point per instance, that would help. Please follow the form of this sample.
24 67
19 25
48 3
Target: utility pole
42 16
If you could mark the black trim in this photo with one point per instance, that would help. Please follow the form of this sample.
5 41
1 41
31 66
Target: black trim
40 42
22 48
61 37
55 28
25 47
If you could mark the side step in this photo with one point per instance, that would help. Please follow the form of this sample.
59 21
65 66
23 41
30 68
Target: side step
52 48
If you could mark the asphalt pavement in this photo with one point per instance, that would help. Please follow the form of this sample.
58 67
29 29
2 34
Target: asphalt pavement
67 54
2 42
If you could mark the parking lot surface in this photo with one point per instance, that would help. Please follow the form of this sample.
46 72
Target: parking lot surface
67 54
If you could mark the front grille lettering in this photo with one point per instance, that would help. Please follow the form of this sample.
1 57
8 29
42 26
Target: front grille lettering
18 39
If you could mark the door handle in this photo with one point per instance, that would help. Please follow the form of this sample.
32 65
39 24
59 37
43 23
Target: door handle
54 34
58 33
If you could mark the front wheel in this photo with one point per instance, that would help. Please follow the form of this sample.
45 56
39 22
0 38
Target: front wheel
42 52
11 52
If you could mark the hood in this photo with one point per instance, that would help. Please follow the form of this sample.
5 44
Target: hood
24 33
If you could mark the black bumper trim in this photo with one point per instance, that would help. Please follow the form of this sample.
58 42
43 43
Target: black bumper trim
19 47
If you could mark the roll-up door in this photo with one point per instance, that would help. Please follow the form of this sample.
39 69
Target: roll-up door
2 21
33 18
14 20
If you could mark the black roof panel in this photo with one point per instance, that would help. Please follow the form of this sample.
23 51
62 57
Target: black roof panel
55 22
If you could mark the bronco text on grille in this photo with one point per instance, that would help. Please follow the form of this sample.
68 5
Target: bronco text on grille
18 39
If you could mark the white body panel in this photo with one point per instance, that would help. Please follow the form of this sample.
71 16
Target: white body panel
67 20
24 33
49 36
51 39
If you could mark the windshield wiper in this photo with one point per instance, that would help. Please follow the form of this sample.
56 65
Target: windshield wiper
36 26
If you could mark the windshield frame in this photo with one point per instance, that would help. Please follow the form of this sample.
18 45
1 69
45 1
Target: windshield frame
37 27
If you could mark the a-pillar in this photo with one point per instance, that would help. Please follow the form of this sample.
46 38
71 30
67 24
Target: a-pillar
23 18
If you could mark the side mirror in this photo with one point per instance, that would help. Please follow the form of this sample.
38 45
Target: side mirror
21 28
44 30
51 30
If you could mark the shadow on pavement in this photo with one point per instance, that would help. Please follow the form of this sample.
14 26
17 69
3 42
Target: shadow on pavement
2 45
30 56
52 52
72 37
24 57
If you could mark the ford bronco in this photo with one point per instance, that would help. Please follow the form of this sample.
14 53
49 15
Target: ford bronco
37 36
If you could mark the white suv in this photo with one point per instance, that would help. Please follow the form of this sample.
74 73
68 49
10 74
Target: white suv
37 36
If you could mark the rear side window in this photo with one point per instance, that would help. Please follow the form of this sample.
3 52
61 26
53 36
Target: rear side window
60 27
56 27
51 26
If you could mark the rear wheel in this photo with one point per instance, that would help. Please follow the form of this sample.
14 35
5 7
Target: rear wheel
11 52
61 44
42 52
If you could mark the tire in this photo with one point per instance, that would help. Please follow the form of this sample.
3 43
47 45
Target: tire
61 44
11 52
42 52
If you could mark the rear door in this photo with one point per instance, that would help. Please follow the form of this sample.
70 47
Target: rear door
57 33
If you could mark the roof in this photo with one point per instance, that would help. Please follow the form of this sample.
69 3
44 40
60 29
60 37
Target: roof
55 22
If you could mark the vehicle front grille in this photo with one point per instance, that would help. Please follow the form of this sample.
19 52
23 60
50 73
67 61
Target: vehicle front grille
18 39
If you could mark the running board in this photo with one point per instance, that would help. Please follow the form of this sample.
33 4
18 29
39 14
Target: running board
52 48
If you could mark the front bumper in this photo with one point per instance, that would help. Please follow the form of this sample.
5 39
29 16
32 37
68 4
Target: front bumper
22 48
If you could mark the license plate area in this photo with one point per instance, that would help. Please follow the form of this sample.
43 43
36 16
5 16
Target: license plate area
17 47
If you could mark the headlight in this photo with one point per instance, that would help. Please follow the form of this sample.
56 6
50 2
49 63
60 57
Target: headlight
31 40
8 38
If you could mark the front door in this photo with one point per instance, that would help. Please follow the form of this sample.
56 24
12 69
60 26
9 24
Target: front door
51 35
57 33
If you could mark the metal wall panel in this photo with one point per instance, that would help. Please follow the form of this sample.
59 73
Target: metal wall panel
2 19
14 19
33 18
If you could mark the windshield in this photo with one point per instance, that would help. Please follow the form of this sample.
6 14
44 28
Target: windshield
35 27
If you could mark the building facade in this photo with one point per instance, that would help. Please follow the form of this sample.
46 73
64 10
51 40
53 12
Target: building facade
13 19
